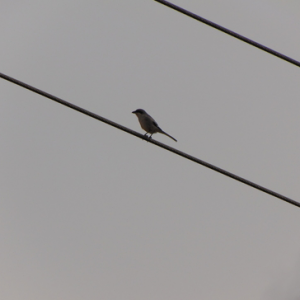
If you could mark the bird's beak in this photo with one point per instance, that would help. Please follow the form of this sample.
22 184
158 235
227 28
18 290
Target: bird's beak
134 112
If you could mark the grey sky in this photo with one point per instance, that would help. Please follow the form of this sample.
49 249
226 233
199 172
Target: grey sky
90 212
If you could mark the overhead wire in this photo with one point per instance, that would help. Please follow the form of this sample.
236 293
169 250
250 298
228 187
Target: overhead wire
230 32
141 136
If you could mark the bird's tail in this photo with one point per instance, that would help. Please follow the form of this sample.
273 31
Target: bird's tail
168 136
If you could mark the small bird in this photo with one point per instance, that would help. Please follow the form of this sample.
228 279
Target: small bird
148 123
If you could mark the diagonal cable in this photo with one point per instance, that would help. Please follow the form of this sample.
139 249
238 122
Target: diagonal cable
232 33
180 153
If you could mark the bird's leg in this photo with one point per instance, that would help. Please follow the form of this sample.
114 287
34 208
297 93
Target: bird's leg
147 135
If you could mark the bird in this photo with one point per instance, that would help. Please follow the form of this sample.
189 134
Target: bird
149 124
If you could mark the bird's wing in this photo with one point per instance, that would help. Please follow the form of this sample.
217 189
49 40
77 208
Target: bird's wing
155 124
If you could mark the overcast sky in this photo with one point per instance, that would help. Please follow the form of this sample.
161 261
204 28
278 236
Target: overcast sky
91 212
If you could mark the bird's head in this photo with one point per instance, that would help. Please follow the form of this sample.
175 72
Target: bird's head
139 111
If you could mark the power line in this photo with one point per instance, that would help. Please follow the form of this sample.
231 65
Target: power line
232 33
180 153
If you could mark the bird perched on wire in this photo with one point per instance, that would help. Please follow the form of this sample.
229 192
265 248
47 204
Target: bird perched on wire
148 123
